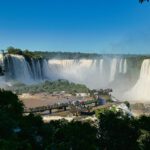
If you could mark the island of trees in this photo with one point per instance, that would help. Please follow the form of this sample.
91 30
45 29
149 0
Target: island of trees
50 87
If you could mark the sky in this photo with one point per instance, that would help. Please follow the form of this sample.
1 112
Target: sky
97 26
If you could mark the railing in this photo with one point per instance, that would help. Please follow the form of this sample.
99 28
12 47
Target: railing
58 106
45 108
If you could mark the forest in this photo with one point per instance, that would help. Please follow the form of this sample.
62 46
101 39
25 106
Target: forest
113 130
50 87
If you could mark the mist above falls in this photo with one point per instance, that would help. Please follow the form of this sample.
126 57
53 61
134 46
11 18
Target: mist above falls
122 74
95 73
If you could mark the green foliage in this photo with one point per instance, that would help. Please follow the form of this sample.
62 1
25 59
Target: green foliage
26 53
67 55
29 54
127 104
144 123
98 112
141 1
9 103
117 131
114 130
12 50
144 140
11 110
52 86
74 135
30 132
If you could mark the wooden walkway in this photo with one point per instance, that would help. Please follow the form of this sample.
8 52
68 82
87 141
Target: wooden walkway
78 107
47 108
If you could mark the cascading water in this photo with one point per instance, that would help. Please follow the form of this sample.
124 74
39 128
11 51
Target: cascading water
105 72
141 91
46 70
18 68
101 66
73 70
113 69
120 66
125 66
95 73
1 59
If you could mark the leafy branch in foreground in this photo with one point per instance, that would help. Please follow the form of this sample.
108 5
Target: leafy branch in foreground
141 1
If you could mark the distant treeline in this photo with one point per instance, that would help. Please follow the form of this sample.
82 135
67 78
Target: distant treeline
50 54
67 55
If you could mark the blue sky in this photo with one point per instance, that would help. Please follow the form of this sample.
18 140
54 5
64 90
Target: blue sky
102 26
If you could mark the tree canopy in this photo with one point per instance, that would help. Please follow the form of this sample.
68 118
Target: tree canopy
113 130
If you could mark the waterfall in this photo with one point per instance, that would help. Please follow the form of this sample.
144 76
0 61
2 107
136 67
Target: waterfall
26 71
18 68
46 70
125 66
101 66
120 66
38 70
113 69
74 70
95 73
33 66
105 72
141 90
36 67
1 59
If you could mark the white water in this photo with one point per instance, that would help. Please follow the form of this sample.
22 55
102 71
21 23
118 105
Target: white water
1 59
95 73
141 91
105 72
113 69
72 70
121 66
125 66
21 68
101 66
17 68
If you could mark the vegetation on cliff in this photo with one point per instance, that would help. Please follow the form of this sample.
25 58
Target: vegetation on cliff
26 53
69 55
